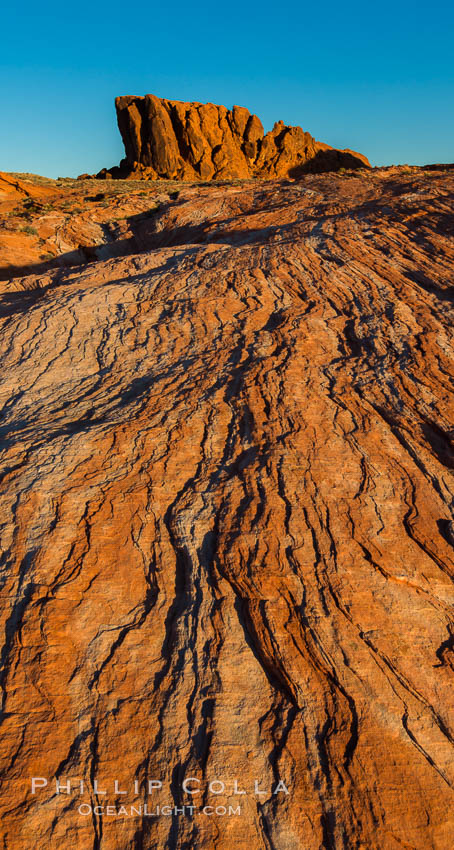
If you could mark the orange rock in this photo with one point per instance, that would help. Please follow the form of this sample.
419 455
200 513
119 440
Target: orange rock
226 508
12 188
190 141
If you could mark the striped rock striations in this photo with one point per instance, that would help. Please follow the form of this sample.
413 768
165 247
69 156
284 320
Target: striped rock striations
227 534
202 141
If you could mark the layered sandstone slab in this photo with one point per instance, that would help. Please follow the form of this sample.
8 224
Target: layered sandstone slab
202 141
227 537
13 189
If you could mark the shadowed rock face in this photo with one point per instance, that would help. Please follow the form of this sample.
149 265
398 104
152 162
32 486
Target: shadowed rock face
202 141
226 507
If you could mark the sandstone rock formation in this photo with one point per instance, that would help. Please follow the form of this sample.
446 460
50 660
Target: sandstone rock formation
13 188
202 141
227 533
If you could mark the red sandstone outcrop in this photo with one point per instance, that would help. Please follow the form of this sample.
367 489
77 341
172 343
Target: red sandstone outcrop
202 141
13 189
226 514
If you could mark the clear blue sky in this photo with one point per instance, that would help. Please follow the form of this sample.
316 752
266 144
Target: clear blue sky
375 77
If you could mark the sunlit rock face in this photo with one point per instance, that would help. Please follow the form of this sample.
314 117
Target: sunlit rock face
226 508
203 141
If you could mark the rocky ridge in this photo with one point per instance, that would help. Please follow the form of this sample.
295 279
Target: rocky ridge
226 519
203 141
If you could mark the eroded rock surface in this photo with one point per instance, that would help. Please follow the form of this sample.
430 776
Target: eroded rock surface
203 141
227 532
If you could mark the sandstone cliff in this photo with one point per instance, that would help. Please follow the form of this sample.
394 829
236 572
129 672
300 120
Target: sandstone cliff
226 514
203 141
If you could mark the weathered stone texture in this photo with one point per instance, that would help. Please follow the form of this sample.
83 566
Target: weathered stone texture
226 515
